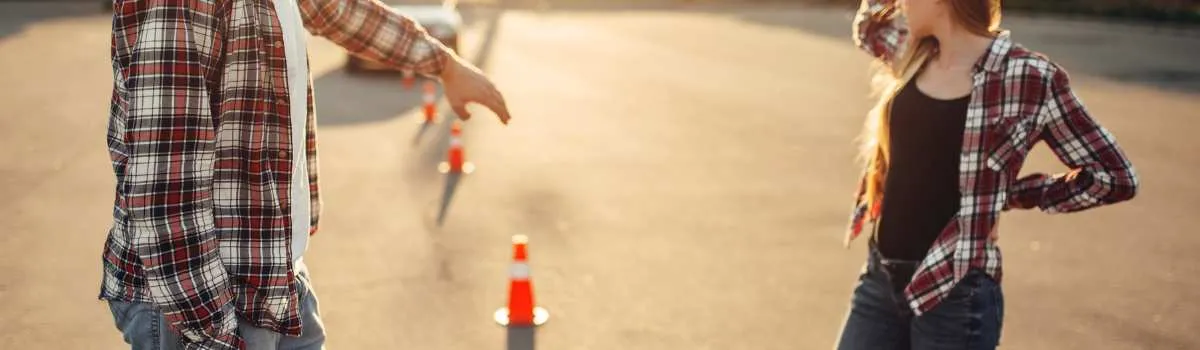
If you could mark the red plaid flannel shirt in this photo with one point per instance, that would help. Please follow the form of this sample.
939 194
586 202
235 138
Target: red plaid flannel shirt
1019 98
200 142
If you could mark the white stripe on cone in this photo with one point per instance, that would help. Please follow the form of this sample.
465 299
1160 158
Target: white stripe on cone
519 271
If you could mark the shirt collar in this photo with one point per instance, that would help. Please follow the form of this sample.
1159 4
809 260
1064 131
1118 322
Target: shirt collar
996 54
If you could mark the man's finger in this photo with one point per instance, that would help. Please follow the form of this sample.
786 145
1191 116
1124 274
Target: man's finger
461 110
500 107
497 106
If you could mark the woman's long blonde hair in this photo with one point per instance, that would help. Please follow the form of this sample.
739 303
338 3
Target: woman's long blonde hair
981 17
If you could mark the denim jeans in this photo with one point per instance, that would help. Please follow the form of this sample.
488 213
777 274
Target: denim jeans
879 319
145 328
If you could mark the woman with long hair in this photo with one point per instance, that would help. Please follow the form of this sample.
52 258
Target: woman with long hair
960 105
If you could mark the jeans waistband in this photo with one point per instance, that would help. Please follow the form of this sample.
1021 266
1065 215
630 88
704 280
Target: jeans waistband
895 272
877 259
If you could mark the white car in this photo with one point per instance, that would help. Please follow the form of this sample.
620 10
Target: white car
442 20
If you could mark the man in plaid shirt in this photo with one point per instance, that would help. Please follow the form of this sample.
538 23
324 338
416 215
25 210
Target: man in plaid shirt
213 142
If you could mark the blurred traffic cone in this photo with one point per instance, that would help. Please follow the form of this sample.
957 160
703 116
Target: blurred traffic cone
521 310
456 156
409 79
429 96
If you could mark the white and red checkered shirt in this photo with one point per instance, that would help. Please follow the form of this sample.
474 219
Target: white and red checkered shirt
1019 98
200 141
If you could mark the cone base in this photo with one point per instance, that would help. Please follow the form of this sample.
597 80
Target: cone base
540 316
467 168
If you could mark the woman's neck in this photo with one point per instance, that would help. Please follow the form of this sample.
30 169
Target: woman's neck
958 48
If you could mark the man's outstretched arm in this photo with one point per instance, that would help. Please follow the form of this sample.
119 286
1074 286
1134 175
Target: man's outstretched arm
368 28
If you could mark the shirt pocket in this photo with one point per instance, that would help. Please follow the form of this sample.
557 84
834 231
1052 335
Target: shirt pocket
1011 139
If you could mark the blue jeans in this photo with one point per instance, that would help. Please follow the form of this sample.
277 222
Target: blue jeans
145 328
879 319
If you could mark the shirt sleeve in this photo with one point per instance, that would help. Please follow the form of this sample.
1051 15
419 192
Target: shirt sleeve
371 30
168 172
858 211
878 30
1100 173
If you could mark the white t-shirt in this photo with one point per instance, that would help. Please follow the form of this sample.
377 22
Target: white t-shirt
295 43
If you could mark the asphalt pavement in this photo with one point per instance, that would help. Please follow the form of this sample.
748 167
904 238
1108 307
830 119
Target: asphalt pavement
683 175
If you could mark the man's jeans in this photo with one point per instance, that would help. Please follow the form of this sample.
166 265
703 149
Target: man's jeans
146 329
969 319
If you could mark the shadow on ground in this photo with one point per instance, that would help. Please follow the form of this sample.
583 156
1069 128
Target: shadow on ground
521 338
344 98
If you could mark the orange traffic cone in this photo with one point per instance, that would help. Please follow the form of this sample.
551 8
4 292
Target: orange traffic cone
456 156
521 310
429 96
409 79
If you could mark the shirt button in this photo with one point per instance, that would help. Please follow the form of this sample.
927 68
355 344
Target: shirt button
283 154
278 43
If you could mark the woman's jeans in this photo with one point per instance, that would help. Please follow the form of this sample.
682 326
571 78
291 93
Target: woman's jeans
879 319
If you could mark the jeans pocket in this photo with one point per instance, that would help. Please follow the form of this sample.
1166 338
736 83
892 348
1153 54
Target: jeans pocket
129 316
140 325
119 310
987 313
998 300
967 319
